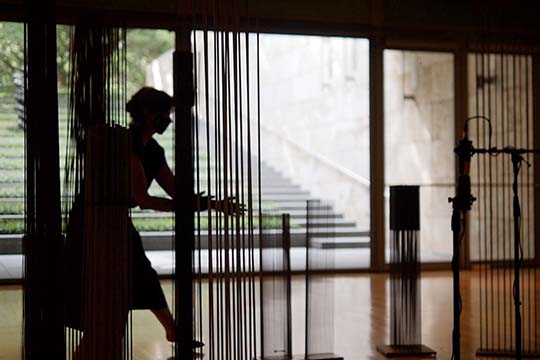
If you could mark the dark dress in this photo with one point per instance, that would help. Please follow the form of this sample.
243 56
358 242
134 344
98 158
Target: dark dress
146 292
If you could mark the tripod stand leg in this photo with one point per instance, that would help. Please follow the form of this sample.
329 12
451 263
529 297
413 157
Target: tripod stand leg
516 160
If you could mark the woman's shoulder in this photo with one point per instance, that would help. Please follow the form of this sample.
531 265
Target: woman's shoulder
154 146
136 140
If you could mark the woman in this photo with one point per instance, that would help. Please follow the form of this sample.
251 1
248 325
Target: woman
150 112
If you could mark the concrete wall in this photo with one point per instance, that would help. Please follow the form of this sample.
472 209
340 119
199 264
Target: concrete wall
315 117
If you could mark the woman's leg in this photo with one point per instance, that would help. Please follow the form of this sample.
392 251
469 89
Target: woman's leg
166 319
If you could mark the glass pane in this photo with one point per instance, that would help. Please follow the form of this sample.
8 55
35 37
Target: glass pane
419 140
315 134
500 88
11 187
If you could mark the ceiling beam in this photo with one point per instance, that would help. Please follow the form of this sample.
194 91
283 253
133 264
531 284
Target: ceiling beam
431 21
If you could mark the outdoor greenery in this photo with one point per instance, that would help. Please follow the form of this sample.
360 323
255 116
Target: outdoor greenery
16 226
9 208
142 47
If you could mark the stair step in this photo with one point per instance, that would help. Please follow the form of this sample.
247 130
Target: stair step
289 207
301 214
286 197
341 243
324 222
279 189
349 231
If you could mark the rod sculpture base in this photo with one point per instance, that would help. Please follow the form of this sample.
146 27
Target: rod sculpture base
325 356
507 354
391 351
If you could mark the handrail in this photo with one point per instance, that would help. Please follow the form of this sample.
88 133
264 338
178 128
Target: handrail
323 159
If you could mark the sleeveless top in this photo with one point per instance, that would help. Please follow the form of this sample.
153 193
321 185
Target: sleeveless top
151 155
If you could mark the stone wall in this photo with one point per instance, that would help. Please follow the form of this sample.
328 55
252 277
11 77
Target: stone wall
419 138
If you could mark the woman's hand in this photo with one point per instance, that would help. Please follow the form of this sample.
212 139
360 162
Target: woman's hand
228 204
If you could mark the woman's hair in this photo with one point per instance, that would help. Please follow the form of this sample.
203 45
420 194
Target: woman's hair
149 99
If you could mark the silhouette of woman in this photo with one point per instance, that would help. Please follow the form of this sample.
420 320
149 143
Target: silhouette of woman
150 112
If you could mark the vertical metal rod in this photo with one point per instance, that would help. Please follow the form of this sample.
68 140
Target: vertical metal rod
259 177
251 260
508 198
519 143
498 237
515 143
504 237
479 180
487 259
227 189
210 193
489 232
536 179
530 240
309 209
287 269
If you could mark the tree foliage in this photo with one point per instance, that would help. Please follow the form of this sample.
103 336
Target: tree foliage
12 54
142 47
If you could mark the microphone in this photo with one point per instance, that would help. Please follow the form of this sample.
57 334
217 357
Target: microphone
464 151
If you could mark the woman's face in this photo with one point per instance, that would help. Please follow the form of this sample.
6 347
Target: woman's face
157 122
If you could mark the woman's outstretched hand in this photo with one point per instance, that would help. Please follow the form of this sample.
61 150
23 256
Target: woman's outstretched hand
230 205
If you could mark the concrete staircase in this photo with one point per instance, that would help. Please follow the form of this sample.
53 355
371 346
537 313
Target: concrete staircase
331 230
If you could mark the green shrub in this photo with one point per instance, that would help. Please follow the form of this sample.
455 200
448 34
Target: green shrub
9 208
16 226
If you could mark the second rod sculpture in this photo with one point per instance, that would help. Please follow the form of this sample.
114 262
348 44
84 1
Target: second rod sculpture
462 203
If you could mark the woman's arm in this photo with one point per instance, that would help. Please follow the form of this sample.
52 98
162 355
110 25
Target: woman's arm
165 179
140 192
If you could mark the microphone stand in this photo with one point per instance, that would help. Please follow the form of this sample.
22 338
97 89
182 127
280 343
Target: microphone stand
461 203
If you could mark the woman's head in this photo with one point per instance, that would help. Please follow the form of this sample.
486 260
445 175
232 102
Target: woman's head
150 108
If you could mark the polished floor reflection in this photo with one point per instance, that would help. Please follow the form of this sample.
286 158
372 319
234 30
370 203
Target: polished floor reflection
361 320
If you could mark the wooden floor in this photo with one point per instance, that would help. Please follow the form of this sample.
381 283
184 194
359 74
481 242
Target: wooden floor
361 321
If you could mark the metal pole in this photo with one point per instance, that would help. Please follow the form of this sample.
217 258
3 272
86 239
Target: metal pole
456 334
516 160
